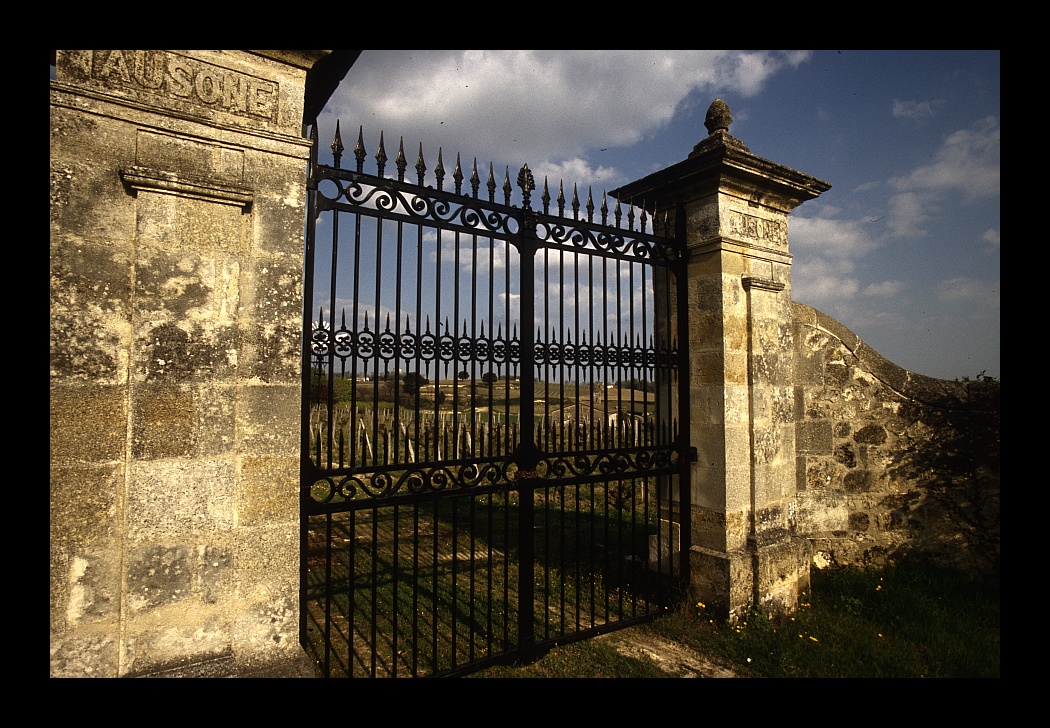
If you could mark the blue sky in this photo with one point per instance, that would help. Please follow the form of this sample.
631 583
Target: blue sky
903 249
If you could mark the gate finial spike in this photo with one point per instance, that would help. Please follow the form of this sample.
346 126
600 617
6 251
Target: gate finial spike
561 198
381 154
439 171
337 145
401 162
359 150
421 166
590 205
527 183
475 180
457 175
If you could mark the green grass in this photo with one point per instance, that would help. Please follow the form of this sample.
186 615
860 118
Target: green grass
425 587
912 620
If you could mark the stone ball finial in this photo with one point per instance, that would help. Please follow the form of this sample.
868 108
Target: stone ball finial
718 117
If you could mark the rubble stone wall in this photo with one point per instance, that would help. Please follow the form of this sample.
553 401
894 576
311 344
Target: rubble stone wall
890 462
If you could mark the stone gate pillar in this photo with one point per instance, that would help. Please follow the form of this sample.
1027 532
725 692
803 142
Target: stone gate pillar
177 209
735 207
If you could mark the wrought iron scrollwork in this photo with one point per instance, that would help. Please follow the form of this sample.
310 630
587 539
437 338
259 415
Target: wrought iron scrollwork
451 361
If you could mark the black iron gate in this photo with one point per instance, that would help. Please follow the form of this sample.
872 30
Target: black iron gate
493 449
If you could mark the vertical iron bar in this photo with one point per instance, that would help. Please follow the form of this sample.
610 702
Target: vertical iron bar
476 449
575 445
456 342
356 458
632 375
489 599
328 596
397 341
435 596
592 442
330 399
351 525
620 421
607 443
414 646
421 451
394 588
453 591
378 339
529 455
375 592
471 593
437 324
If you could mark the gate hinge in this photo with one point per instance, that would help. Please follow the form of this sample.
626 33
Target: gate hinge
694 456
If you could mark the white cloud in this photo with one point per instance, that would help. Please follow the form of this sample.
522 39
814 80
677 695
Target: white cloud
533 106
976 294
884 289
992 238
912 109
829 237
909 212
967 162
822 282
582 173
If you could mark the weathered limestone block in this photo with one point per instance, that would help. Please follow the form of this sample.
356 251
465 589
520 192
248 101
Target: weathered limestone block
177 208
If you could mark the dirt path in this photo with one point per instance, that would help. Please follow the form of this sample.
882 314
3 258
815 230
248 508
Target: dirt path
671 657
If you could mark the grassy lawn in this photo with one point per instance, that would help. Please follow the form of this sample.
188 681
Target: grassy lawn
907 621
423 587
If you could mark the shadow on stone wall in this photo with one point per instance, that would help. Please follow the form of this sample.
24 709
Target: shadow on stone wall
891 462
951 455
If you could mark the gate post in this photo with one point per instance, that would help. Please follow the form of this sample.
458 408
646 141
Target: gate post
178 183
743 549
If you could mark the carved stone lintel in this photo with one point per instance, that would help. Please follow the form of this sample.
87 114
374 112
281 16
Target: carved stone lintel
141 178
762 284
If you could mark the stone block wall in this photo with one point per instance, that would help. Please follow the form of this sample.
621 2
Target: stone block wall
890 462
177 202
